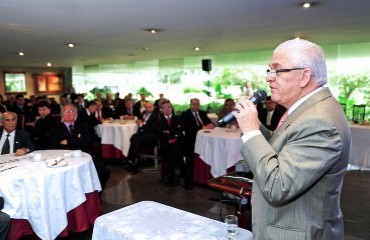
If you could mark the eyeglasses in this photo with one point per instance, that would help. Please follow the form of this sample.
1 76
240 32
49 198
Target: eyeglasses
68 111
274 72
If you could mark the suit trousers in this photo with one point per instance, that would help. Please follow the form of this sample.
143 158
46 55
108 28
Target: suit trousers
4 225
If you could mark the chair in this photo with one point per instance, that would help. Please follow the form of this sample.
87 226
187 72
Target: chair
146 153
358 113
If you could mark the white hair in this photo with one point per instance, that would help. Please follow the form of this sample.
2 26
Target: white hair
306 54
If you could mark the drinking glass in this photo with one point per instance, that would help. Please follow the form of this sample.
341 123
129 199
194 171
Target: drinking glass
231 227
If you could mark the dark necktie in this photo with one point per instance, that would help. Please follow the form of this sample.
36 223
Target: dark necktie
6 146
169 121
71 128
197 119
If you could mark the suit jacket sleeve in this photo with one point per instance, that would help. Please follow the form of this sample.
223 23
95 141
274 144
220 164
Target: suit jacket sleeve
23 140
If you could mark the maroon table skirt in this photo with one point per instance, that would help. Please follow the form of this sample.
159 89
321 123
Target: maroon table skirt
109 151
202 171
79 219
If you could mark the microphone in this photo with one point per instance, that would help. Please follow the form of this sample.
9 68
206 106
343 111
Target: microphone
258 97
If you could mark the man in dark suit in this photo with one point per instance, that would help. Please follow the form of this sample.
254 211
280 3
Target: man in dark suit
193 119
128 112
44 126
171 135
270 115
70 134
70 95
147 135
140 105
88 116
102 111
14 140
4 221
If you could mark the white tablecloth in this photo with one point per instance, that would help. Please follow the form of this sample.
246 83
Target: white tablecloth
360 154
44 195
149 220
219 148
117 133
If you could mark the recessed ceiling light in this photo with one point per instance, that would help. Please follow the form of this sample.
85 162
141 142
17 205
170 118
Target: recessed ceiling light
49 64
306 5
21 54
196 48
143 48
153 30
71 45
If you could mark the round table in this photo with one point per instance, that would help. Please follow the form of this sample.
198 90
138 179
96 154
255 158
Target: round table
43 196
219 148
115 137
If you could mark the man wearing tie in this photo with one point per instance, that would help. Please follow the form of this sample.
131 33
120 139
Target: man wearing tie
193 119
270 115
70 134
299 168
14 140
147 135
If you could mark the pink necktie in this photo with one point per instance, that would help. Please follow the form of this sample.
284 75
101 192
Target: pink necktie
282 119
197 119
169 121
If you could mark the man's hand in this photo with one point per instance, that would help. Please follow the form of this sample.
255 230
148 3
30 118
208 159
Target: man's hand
247 116
63 142
20 151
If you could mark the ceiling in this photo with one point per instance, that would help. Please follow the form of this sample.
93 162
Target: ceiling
112 31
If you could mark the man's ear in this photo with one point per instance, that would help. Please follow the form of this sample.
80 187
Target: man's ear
305 79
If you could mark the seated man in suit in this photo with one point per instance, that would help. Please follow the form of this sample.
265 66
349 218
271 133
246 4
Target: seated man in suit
193 119
4 221
229 106
128 112
171 137
87 115
147 135
70 134
102 111
270 115
43 126
14 140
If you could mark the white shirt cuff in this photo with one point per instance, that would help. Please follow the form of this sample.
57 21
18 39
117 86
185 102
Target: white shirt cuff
250 134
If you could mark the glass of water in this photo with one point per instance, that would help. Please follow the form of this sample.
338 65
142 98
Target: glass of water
231 227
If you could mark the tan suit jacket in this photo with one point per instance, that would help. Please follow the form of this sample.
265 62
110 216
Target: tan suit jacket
298 172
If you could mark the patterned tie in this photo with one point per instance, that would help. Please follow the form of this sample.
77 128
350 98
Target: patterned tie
197 119
71 128
282 119
169 121
6 146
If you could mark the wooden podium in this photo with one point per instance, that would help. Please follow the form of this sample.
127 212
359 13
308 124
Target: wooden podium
236 183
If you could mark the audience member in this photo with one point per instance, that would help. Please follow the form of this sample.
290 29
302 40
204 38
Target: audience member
157 104
14 140
10 102
69 134
56 109
270 115
171 140
140 105
44 126
128 112
229 106
5 221
147 135
87 115
193 119
102 112
70 95
80 102
298 169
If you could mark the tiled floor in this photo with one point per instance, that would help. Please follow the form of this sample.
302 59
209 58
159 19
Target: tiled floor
124 189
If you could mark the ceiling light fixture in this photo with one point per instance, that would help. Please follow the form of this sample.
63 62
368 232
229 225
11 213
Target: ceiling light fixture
306 5
153 30
49 64
196 48
21 54
71 45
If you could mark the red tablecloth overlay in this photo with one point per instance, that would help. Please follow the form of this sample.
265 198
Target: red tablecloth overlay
109 151
202 171
79 219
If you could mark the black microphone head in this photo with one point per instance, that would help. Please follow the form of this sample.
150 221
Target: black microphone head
260 96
